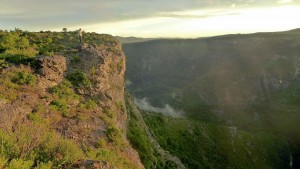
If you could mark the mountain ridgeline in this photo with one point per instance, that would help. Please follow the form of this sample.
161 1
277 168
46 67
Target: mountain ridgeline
247 82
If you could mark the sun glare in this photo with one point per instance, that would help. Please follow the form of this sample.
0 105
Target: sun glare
201 23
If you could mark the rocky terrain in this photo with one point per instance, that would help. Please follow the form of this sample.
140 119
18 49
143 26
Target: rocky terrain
66 109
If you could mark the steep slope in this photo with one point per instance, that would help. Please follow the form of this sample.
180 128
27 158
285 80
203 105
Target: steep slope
247 81
227 75
203 145
143 140
167 142
66 110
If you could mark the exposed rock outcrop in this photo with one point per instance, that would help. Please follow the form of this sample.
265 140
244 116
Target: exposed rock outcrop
83 114
52 70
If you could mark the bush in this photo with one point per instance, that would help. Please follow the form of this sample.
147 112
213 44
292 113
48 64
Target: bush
8 41
18 59
76 59
113 157
20 164
47 165
61 106
28 52
68 153
3 162
3 64
115 136
24 77
78 79
110 113
89 104
64 91
11 80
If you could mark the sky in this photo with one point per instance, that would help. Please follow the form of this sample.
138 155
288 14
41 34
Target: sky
152 18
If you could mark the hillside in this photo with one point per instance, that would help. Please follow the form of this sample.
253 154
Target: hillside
247 81
167 142
204 145
234 101
132 39
62 103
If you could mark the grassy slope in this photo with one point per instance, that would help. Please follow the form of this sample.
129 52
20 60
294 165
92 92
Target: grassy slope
203 145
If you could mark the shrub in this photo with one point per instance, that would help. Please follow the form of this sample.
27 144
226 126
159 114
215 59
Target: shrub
115 136
78 79
64 91
17 59
28 52
89 104
3 162
24 77
11 80
68 153
8 41
110 113
3 64
102 142
113 157
22 43
47 165
61 106
76 59
20 164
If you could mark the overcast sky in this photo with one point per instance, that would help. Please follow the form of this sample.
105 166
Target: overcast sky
152 18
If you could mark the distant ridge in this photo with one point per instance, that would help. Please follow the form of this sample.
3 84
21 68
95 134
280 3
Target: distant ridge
132 39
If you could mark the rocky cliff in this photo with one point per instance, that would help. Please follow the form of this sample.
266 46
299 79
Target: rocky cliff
66 110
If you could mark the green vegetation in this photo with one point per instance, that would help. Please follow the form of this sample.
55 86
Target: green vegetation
63 96
248 81
139 139
79 79
36 136
114 156
21 47
24 77
89 104
37 146
202 145
15 80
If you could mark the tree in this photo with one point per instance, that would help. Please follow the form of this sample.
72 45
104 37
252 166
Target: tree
8 41
65 30
23 43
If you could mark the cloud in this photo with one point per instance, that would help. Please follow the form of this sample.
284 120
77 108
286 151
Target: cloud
128 83
57 13
284 1
144 18
197 13
167 110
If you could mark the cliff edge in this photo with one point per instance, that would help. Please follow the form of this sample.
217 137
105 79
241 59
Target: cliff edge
63 107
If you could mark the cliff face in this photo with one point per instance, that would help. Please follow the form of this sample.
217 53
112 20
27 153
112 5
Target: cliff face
73 101
105 79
